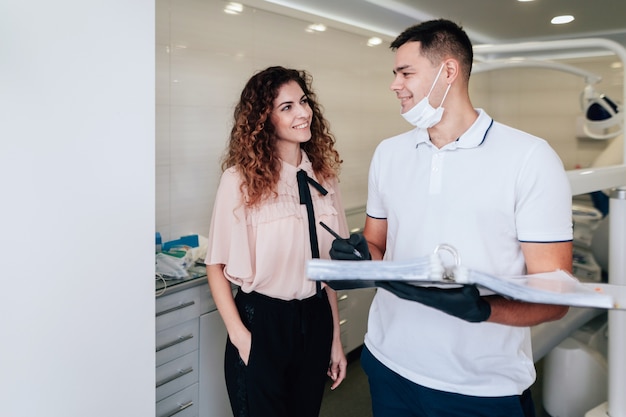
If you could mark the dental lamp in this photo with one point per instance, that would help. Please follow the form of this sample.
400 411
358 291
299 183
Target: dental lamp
603 118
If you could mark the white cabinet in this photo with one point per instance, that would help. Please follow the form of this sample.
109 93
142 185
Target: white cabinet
181 404
190 341
185 380
354 308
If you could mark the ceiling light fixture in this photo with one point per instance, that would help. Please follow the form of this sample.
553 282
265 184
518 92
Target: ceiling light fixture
374 41
316 27
233 8
561 20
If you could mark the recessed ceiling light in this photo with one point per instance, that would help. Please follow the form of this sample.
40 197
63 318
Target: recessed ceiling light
524 1
374 41
560 20
316 27
233 8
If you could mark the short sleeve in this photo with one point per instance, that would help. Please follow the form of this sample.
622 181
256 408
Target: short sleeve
375 207
229 242
543 209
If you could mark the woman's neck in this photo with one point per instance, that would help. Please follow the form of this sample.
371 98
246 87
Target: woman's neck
291 156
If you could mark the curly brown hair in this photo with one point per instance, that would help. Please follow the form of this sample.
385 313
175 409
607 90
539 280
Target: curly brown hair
251 147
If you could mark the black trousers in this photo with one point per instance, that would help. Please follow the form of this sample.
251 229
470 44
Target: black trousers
289 357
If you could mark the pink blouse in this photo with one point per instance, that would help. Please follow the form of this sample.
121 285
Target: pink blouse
264 248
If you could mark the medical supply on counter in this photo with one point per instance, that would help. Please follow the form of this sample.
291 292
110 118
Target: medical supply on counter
586 221
158 242
177 256
190 240
174 264
585 266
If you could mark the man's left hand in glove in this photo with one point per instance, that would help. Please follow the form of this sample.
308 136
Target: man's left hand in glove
464 302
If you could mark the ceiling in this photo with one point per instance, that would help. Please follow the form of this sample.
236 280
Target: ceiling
486 21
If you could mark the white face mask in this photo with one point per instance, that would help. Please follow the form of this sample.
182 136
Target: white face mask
423 115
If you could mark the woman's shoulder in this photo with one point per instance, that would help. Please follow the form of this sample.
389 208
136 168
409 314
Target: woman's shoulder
231 175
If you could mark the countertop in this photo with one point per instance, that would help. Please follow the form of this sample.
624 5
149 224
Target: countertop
197 276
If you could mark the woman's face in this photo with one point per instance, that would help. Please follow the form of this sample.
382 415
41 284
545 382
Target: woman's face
291 115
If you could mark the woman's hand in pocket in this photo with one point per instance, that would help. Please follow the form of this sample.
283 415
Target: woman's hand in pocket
243 343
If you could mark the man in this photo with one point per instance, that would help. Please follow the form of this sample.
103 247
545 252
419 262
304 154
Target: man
500 197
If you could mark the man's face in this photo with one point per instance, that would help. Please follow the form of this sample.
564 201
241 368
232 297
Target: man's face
414 75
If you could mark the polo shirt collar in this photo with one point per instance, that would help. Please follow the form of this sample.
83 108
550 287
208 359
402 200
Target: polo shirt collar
477 133
472 138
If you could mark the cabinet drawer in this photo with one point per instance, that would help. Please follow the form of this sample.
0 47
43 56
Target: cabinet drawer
206 299
176 341
179 307
343 326
342 300
182 404
176 375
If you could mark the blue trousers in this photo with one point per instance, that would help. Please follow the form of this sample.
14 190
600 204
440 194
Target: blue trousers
396 396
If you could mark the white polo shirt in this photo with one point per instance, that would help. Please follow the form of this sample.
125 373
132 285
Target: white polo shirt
491 189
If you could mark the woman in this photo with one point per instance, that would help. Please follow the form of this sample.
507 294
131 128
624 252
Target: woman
279 181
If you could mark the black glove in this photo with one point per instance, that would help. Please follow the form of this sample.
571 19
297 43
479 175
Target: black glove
350 284
464 302
350 249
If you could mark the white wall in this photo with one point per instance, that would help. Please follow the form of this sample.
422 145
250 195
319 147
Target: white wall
204 57
546 102
77 208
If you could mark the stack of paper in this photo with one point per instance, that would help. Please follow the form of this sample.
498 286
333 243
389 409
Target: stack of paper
557 287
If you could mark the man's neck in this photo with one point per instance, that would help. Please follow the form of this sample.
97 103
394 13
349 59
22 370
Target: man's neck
450 129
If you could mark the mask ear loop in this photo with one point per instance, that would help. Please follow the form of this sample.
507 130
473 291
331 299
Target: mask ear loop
435 82
445 95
